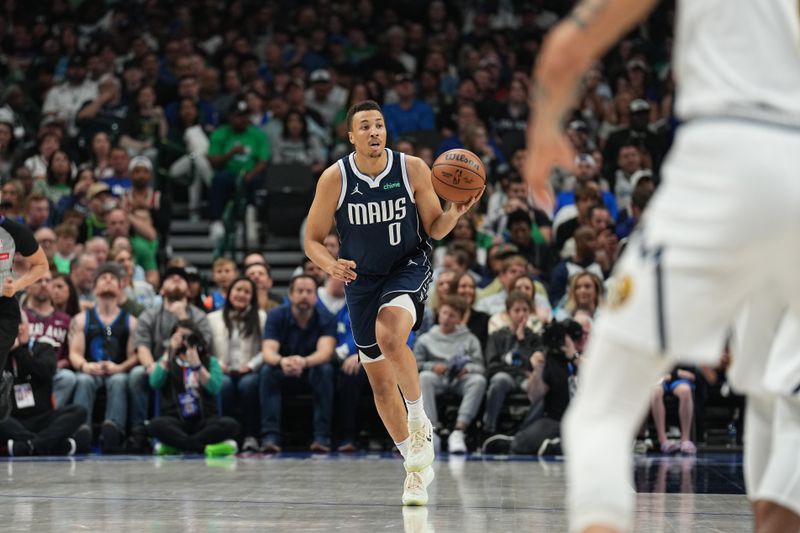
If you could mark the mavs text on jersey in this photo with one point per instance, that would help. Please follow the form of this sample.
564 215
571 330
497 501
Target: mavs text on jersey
380 230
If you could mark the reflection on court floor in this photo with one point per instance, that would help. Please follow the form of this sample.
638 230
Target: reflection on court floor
358 493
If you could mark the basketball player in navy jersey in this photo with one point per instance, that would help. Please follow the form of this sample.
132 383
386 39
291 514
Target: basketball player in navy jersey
385 209
14 238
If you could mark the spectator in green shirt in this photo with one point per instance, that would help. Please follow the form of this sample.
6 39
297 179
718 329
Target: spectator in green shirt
237 149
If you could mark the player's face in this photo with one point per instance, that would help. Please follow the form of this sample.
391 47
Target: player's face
368 134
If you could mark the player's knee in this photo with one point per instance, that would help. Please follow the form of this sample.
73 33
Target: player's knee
658 393
390 342
384 387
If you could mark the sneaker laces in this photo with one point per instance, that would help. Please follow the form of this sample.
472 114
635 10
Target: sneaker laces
414 482
419 439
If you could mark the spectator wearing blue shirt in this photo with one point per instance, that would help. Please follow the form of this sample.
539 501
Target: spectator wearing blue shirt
120 181
299 341
586 169
189 87
408 114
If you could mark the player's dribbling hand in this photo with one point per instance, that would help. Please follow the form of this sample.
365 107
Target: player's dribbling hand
460 208
550 148
9 288
343 270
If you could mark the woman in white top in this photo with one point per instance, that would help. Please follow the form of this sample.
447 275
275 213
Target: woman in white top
236 342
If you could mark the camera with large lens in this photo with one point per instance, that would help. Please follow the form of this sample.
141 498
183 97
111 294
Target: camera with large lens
555 332
193 340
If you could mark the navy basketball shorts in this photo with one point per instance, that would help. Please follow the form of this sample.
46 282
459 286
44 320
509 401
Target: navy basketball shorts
367 294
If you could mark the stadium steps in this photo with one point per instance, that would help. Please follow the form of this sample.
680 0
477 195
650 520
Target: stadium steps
190 239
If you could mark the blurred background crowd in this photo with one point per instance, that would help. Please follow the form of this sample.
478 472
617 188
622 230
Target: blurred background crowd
120 121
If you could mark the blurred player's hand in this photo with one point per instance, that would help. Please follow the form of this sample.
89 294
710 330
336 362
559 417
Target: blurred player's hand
343 270
549 148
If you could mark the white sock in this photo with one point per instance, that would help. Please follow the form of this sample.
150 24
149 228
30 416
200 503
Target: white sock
415 409
402 446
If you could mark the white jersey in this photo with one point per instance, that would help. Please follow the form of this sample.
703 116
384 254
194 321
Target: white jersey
738 58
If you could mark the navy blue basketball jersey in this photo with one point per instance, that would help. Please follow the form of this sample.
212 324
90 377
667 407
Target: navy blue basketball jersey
377 218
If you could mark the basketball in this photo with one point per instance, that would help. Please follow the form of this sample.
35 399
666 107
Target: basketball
458 175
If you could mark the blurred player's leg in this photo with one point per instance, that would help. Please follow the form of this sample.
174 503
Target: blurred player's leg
615 385
776 491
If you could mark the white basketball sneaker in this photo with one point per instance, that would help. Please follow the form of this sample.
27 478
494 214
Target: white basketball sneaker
415 488
420 448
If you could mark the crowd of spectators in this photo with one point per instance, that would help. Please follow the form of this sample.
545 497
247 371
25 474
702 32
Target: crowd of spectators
112 111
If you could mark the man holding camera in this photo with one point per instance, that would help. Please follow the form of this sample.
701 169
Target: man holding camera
449 358
152 340
188 379
101 351
553 381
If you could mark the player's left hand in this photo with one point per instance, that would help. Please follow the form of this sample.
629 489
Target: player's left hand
9 287
549 148
460 209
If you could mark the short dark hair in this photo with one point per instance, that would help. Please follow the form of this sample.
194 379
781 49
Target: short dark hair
366 105
302 276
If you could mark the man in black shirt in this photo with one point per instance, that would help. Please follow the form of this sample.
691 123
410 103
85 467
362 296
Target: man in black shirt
14 238
35 428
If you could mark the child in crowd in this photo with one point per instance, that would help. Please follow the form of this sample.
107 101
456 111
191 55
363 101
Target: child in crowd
223 272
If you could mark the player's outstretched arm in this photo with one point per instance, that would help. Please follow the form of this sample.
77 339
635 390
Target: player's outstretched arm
567 52
37 267
319 223
437 222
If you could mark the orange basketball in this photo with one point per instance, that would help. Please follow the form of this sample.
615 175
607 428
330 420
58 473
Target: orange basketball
458 175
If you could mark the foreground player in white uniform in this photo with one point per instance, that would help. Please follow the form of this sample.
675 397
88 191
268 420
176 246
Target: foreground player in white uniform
725 220
772 417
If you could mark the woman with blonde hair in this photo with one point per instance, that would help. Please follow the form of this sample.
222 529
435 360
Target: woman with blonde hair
584 293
